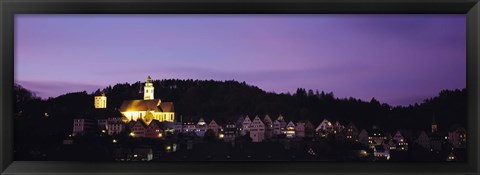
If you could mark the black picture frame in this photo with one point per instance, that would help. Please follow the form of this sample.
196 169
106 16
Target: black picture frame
9 8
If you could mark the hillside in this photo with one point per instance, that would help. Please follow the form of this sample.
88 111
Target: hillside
226 100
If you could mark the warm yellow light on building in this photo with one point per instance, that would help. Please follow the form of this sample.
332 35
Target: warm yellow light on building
168 148
103 131
221 136
114 141
160 135
132 134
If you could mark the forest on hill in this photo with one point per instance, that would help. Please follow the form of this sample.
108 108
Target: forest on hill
226 100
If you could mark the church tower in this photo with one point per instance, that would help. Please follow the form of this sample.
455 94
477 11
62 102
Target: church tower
434 126
148 89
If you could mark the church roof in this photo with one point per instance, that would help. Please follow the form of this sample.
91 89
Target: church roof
167 107
147 105
140 105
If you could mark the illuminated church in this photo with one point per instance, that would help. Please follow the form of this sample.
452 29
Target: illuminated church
149 108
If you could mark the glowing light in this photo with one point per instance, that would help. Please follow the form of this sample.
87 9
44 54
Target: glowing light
103 131
46 114
132 134
221 136
160 135
114 141
168 148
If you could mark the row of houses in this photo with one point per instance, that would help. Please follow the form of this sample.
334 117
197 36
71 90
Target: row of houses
261 129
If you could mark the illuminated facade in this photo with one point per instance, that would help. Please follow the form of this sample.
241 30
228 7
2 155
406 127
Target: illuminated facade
101 101
149 108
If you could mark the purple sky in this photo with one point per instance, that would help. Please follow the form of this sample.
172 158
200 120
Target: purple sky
398 59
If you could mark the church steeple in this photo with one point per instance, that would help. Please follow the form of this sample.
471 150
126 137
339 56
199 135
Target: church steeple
148 89
434 126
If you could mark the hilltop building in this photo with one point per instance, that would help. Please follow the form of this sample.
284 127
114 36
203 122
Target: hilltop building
149 108
100 101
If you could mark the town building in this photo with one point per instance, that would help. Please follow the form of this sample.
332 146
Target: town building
154 130
149 108
246 125
300 129
363 138
279 126
230 132
351 132
138 129
83 125
400 141
290 130
337 127
457 136
189 127
239 125
115 125
309 129
100 101
268 126
257 130
376 136
324 127
214 127
423 140
201 127
381 153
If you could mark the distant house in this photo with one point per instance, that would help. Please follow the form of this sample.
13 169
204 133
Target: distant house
309 129
154 130
83 125
122 154
189 127
178 127
115 125
279 126
142 154
363 138
351 132
400 141
230 132
239 125
337 127
300 129
257 130
290 130
436 141
138 129
423 140
376 136
457 136
214 127
451 157
324 127
201 127
390 145
381 153
268 126
102 123
246 125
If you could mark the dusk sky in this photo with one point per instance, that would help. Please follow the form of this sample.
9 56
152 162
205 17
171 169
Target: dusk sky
398 59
